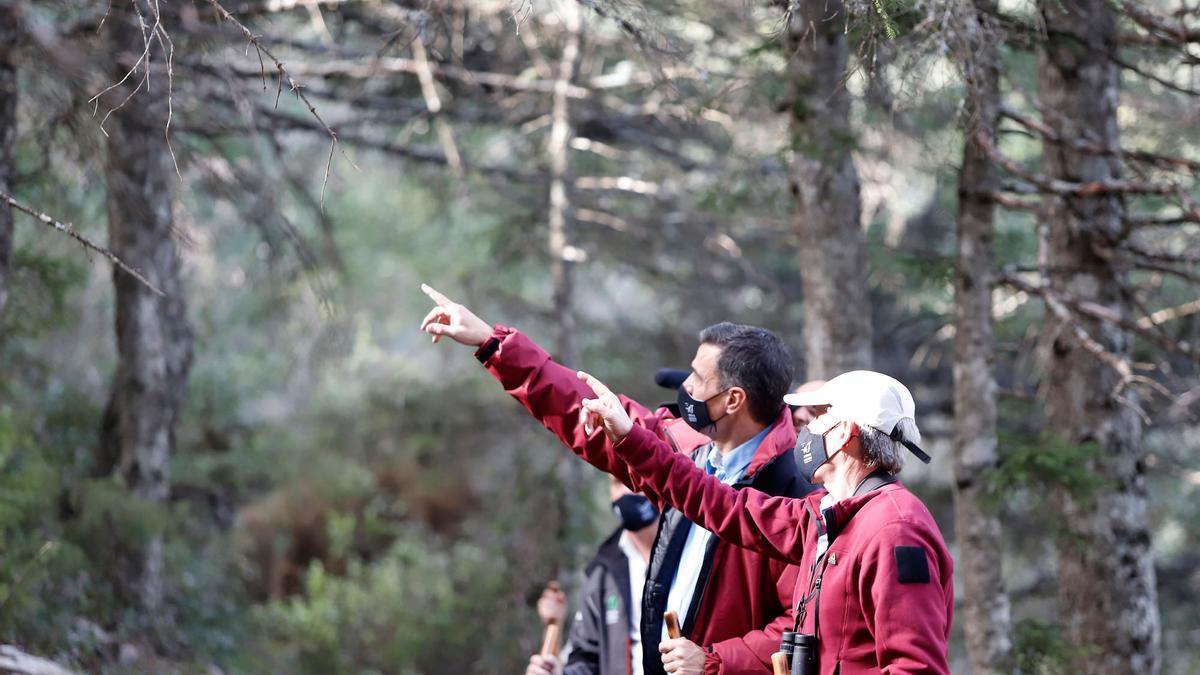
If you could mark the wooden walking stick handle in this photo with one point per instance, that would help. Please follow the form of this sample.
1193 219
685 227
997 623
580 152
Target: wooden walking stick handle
550 639
779 663
672 621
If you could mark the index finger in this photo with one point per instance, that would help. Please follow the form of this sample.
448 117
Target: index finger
436 295
596 385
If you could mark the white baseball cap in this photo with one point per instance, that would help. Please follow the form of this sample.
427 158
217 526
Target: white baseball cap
865 397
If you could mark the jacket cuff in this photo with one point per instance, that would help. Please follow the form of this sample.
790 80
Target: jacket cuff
636 447
712 662
492 344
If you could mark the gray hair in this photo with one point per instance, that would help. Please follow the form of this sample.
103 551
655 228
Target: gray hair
884 451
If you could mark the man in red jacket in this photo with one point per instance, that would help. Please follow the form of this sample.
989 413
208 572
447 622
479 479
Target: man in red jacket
878 592
733 603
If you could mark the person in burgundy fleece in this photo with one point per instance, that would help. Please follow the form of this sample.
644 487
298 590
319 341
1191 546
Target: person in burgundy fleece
733 603
879 589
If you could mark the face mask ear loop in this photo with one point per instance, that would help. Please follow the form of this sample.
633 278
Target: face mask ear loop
712 425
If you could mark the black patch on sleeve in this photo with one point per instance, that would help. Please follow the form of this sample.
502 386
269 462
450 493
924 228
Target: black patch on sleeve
485 352
911 565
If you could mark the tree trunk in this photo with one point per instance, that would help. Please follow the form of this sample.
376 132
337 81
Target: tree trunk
824 182
154 342
563 257
8 139
1106 583
977 528
562 254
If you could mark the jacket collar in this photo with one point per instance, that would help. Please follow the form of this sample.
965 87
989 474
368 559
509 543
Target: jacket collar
780 439
840 514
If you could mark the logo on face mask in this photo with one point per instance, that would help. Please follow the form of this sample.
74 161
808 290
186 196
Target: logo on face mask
806 454
695 412
810 453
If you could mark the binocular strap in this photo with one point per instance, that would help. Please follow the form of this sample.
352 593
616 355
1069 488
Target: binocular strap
814 586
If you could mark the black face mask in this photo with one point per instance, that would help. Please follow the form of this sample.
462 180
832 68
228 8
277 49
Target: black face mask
694 412
634 511
810 453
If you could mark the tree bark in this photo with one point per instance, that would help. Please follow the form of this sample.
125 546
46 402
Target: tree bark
562 254
1106 582
825 184
8 139
154 342
977 528
563 257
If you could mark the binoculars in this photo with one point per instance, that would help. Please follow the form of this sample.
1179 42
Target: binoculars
799 651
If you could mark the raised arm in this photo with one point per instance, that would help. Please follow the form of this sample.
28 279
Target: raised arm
772 526
550 392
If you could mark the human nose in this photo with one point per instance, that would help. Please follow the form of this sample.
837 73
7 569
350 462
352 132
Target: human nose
689 384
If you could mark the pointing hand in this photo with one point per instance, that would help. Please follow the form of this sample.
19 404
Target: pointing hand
450 319
605 411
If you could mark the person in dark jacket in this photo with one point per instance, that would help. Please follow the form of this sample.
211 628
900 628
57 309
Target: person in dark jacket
605 638
733 603
879 592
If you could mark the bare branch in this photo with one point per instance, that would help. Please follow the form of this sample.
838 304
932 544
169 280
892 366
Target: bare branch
1056 186
1154 221
1154 159
69 230
1151 76
1170 314
1156 23
1013 202
434 104
295 87
366 68
1059 302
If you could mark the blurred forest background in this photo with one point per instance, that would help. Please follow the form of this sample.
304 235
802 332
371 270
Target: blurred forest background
251 461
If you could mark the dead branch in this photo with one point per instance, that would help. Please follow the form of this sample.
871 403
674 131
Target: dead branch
295 87
1159 256
274 6
1155 266
1170 314
366 68
142 60
1064 188
1153 159
618 13
1013 202
1161 25
434 104
1133 222
1155 78
70 231
1059 301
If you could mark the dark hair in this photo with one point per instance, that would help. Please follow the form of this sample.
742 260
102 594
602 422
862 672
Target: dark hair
756 360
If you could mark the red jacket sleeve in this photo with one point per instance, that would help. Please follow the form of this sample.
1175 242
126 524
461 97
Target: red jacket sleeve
772 526
751 653
907 616
552 394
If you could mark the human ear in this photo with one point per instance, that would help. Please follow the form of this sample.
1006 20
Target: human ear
735 400
839 435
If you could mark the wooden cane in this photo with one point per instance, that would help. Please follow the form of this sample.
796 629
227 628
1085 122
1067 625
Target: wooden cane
550 639
672 621
779 663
